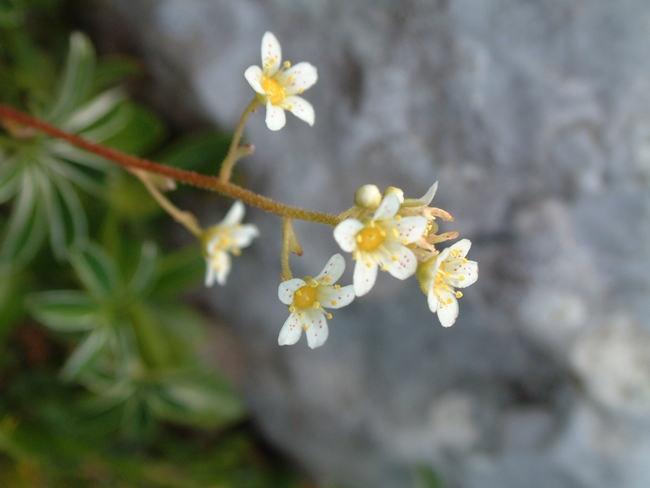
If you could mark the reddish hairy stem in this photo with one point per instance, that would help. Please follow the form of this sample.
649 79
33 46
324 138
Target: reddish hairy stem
188 177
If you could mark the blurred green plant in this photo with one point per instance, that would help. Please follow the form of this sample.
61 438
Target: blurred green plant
101 377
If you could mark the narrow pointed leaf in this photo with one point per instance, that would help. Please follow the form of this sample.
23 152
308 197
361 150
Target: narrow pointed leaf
96 270
65 310
90 349
146 270
77 78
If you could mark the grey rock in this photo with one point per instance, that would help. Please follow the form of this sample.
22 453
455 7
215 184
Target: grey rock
535 118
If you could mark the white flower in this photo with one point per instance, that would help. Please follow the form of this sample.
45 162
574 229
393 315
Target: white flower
440 275
381 241
228 236
307 299
277 84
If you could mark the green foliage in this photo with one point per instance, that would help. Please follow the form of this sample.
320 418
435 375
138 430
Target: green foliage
101 378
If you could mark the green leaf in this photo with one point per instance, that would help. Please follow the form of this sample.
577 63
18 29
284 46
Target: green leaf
197 399
27 225
180 271
96 270
93 111
428 478
202 152
141 134
77 79
146 269
83 357
65 310
10 173
116 69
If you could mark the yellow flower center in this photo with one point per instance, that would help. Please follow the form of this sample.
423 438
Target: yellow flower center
274 91
370 238
305 296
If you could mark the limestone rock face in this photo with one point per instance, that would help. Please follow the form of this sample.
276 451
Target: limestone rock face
535 118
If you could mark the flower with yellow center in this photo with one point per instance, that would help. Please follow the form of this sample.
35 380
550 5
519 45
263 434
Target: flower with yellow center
307 299
381 242
440 275
279 84
227 237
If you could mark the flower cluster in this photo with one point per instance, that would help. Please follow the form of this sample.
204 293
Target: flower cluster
382 231
399 237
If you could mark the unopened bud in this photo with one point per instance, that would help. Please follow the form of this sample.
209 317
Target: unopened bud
391 190
368 196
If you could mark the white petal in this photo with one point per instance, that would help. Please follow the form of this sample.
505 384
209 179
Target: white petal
432 300
275 118
462 275
271 54
304 76
209 274
387 208
234 215
447 309
244 235
253 75
410 228
399 259
330 297
287 289
291 330
317 330
332 270
428 196
365 275
221 263
462 246
300 107
346 232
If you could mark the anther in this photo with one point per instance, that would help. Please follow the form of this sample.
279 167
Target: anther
287 64
459 294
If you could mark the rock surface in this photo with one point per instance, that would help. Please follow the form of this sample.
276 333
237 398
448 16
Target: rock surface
535 118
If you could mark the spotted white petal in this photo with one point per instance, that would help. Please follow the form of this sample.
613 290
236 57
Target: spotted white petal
300 107
463 246
275 118
410 229
345 234
387 208
365 275
330 297
271 54
447 308
463 275
253 75
287 290
291 330
235 214
399 260
299 77
332 270
316 327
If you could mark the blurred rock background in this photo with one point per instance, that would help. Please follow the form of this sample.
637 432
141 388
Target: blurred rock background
535 118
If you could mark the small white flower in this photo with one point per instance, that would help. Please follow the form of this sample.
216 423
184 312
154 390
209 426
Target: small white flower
381 241
227 237
278 84
440 275
307 299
